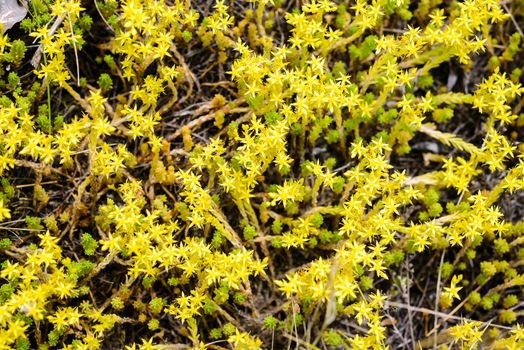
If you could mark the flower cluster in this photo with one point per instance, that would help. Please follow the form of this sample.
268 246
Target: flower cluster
240 172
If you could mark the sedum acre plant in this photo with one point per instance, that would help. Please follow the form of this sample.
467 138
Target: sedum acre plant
262 174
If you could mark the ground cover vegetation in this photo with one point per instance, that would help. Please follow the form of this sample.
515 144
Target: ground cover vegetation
262 174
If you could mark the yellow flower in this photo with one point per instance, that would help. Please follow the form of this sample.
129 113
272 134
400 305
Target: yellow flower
453 289
5 213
